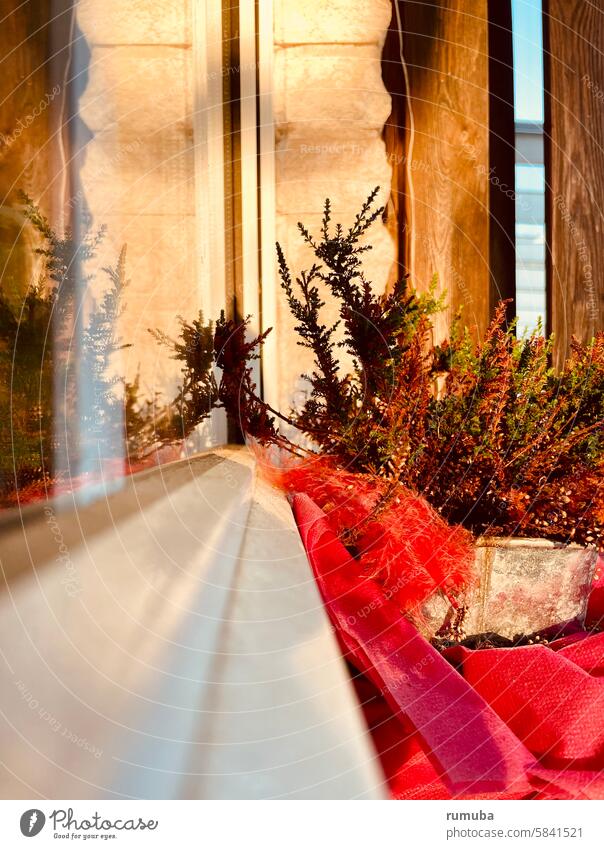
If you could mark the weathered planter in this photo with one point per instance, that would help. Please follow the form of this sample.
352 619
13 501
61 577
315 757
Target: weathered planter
523 586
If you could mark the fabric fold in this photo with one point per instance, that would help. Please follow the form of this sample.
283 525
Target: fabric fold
470 746
520 722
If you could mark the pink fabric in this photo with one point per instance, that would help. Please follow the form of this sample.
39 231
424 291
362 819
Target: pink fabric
498 723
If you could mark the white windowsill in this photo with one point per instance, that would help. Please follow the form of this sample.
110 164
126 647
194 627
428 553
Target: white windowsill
169 642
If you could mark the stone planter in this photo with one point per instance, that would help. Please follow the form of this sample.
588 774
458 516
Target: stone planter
523 586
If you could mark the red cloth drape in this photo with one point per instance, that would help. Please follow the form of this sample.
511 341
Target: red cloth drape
525 722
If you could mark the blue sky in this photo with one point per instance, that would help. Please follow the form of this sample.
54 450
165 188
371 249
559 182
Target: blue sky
528 60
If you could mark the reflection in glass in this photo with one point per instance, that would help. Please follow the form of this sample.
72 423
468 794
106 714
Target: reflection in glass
531 281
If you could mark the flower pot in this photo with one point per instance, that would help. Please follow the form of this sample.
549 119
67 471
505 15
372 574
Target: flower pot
522 586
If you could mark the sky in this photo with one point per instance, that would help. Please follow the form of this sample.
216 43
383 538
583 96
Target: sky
528 60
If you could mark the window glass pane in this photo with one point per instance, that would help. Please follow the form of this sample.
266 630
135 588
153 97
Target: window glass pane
527 39
530 171
530 178
104 230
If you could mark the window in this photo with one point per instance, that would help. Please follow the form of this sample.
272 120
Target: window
530 170
138 146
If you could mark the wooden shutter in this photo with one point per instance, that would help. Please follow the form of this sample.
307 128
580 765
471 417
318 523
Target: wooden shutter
574 100
456 170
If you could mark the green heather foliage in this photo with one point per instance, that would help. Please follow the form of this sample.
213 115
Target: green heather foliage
26 389
37 351
198 392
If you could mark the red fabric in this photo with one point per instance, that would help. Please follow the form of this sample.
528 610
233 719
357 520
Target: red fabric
525 722
406 532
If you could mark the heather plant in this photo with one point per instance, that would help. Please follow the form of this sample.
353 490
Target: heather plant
486 431
26 389
37 351
46 336
197 393
512 447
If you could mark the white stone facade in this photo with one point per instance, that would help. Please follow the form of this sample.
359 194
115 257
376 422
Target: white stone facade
139 104
138 177
330 108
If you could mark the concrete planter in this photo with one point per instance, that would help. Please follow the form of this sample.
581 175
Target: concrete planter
523 586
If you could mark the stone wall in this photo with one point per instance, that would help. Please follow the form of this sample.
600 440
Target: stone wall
136 84
138 173
330 108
